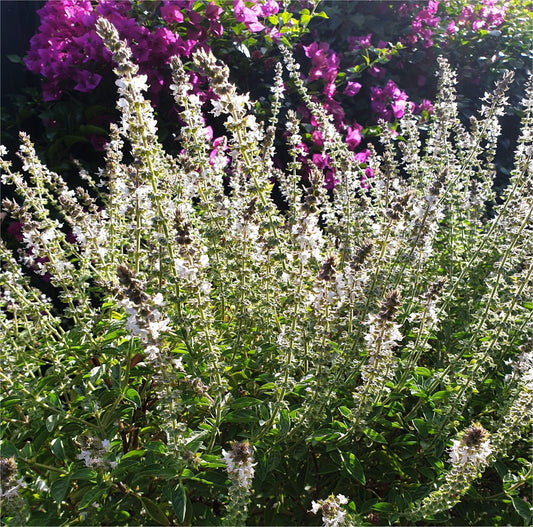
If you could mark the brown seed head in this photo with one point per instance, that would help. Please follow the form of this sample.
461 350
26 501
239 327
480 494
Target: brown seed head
390 305
328 271
241 452
8 468
474 436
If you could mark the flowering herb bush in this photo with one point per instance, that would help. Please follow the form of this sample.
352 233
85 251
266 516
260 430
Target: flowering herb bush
365 354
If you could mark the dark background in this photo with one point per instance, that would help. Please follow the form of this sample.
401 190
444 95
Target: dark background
19 22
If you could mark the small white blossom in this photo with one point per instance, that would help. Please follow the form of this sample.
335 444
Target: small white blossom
239 464
473 448
333 515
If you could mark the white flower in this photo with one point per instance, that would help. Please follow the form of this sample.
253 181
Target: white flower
218 107
204 260
157 326
205 287
158 299
332 513
239 464
473 448
152 352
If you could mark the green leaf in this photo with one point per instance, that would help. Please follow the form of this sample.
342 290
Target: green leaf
84 473
375 436
383 506
132 454
404 440
196 440
92 129
15 59
51 422
273 461
284 422
59 488
268 386
285 16
53 400
353 467
8 449
91 496
439 396
523 508
153 509
245 402
421 427
345 411
240 416
179 502
424 372
325 434
131 395
72 139
10 401
57 448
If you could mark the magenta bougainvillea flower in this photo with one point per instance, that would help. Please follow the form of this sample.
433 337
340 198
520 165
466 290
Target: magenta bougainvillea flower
68 54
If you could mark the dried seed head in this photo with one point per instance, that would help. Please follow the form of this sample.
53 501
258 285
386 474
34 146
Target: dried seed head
84 197
527 347
312 193
125 274
242 452
389 306
328 271
361 253
309 204
395 212
435 288
9 206
436 186
250 209
328 508
134 288
398 207
8 468
182 227
474 436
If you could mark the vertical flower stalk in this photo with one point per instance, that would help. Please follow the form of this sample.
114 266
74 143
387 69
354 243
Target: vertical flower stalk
13 504
468 457
240 469
382 337
518 416
145 319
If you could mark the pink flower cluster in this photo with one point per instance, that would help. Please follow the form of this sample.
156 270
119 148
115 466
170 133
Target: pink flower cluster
422 25
485 14
387 102
69 55
251 15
